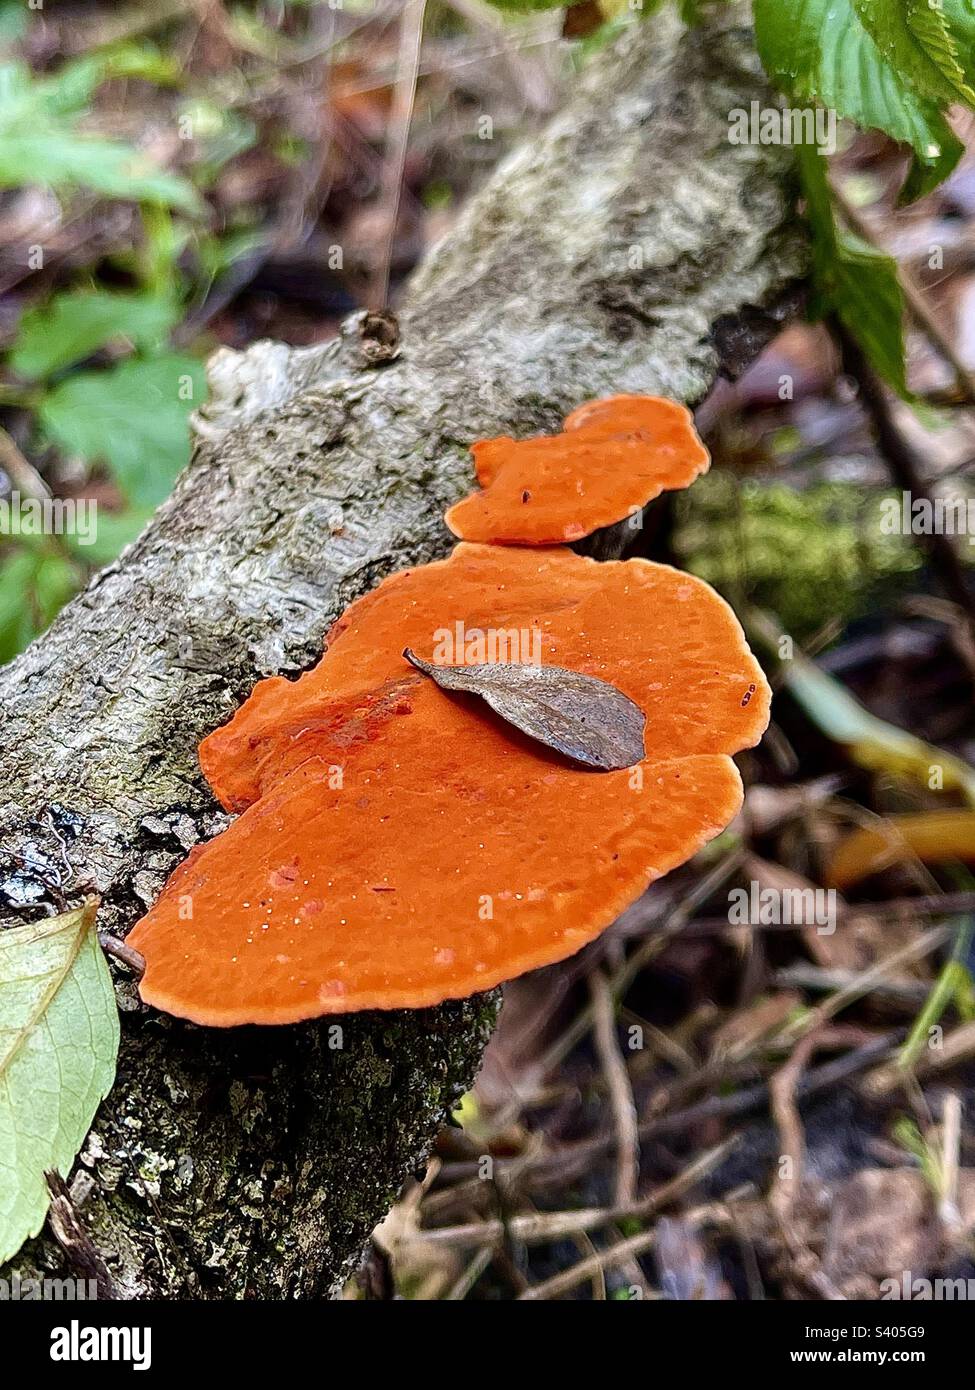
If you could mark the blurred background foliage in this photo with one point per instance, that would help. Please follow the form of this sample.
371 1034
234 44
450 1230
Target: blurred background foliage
178 175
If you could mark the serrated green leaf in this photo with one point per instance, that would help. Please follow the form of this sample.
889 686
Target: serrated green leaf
70 327
854 281
892 65
914 38
59 1037
929 25
960 18
820 51
133 417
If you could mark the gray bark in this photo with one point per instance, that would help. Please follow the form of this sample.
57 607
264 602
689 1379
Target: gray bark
629 248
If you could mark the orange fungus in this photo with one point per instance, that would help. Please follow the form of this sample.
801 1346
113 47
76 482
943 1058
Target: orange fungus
399 845
612 458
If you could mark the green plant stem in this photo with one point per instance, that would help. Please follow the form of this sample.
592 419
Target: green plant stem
952 984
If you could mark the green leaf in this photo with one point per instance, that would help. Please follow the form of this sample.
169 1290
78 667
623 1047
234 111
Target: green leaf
871 742
219 134
853 280
864 291
17 571
892 65
959 16
69 159
915 39
953 986
115 530
36 580
820 51
926 174
40 142
72 87
70 327
13 21
55 581
133 417
217 254
156 262
59 1038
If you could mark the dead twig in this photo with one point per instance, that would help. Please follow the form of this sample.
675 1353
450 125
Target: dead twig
619 1088
20 470
615 1256
576 1157
69 1231
951 1117
785 1113
905 909
816 977
783 1091
957 1046
404 95
112 946
537 1228
862 984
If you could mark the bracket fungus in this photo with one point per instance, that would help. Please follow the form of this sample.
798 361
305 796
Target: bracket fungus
399 845
612 458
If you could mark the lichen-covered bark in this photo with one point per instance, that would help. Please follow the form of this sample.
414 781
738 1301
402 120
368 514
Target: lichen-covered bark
630 248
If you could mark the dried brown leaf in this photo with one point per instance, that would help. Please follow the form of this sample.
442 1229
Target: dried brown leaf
584 718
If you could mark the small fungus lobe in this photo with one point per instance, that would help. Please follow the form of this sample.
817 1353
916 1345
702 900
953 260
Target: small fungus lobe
612 458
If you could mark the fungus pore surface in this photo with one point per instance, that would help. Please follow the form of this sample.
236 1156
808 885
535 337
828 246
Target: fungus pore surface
400 845
612 458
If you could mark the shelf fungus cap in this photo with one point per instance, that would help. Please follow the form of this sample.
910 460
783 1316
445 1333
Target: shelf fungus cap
402 844
613 457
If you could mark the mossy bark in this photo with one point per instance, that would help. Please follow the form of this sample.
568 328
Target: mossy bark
629 248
